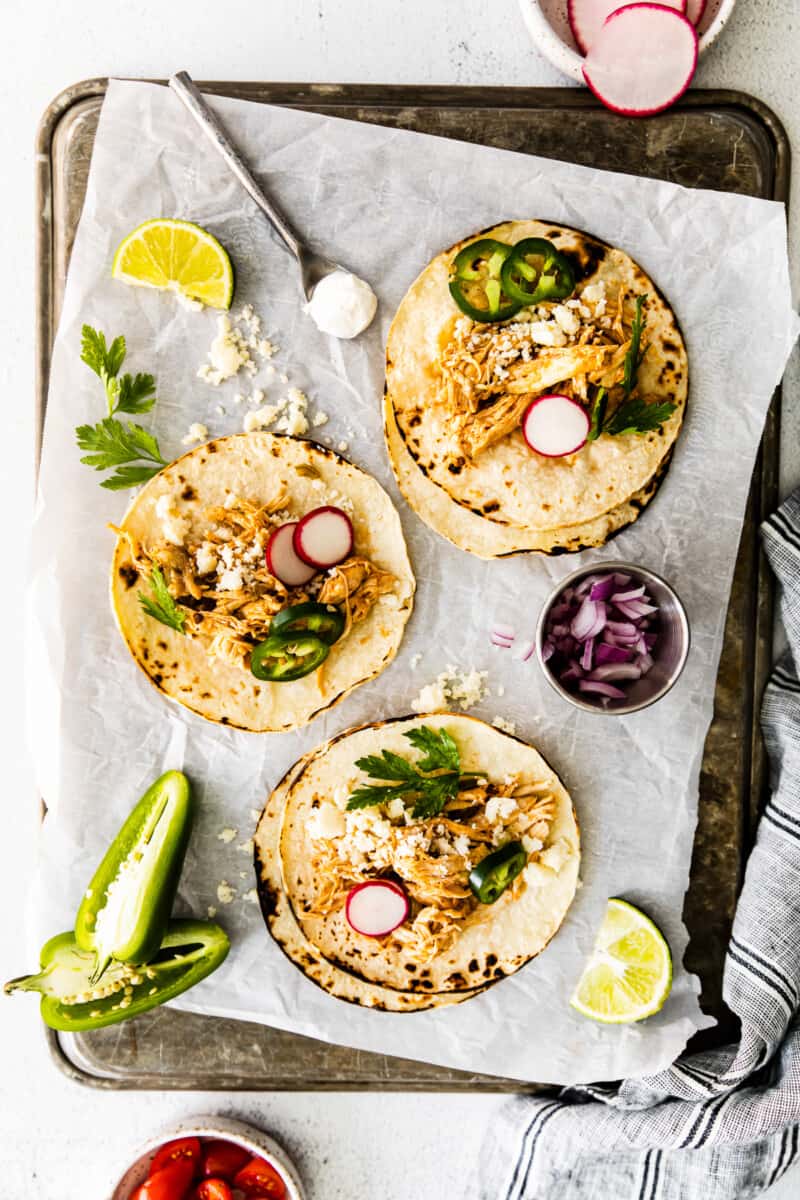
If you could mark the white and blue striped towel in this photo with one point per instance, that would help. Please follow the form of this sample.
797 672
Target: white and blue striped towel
722 1125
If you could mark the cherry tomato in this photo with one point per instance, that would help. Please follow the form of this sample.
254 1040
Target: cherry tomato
172 1182
223 1159
259 1180
213 1189
184 1148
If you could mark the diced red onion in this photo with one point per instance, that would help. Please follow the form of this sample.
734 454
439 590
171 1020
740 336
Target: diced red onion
603 589
589 620
523 650
601 689
615 671
611 654
501 643
600 632
507 632
631 594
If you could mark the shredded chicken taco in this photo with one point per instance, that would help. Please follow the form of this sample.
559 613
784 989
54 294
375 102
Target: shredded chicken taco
287 934
431 855
259 579
538 379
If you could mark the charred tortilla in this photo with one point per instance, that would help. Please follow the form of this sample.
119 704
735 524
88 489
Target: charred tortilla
457 409
203 522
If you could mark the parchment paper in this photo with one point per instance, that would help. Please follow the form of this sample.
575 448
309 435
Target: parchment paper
383 202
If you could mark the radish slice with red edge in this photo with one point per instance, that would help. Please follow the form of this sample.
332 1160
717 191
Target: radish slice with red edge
695 10
324 537
283 562
642 60
587 17
376 908
555 426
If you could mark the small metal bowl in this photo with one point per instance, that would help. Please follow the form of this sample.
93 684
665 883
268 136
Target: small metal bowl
227 1129
670 652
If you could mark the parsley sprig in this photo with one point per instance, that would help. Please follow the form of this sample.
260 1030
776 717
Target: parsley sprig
129 447
632 415
160 605
430 782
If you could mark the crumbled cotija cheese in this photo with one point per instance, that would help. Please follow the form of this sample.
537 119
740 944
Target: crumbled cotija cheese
260 418
174 526
325 822
226 835
206 559
319 418
504 726
225 893
531 844
396 809
500 808
196 433
294 421
566 319
464 688
251 895
556 855
227 354
230 580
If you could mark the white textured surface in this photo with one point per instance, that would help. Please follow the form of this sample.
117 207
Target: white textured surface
59 1142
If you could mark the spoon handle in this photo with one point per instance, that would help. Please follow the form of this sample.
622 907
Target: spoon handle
184 87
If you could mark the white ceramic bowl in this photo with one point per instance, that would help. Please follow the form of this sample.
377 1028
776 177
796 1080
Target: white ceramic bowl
238 1132
549 28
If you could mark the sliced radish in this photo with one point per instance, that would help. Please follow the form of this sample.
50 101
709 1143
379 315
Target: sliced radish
376 908
555 426
587 17
324 537
695 10
642 60
283 562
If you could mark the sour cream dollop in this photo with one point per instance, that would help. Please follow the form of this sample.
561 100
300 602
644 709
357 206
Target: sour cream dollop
342 305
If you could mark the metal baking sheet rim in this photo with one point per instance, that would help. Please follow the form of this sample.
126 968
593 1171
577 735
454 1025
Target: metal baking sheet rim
759 115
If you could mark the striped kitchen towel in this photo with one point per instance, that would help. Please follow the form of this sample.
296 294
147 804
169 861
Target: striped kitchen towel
721 1125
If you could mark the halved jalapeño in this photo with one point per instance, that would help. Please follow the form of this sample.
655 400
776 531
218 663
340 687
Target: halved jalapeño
535 272
476 284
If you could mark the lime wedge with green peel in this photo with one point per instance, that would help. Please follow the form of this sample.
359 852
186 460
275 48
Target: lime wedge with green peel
176 256
629 975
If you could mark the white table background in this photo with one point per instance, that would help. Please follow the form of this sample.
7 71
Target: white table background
59 1141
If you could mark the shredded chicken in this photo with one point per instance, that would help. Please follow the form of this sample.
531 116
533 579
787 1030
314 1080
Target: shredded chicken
488 374
231 606
431 860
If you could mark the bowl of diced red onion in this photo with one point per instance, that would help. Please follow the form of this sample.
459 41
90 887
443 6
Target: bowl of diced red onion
613 638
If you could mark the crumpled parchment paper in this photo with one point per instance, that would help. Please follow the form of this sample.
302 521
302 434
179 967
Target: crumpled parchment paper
383 202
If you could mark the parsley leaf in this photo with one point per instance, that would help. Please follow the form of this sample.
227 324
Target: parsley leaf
633 415
401 778
111 443
598 415
136 394
161 606
104 360
637 416
634 356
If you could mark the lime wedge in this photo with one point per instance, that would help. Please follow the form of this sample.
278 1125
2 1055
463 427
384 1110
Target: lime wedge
629 975
179 257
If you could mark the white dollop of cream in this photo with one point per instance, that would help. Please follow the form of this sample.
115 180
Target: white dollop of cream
342 304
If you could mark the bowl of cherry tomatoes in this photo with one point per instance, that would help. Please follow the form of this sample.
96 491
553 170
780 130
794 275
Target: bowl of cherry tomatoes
210 1158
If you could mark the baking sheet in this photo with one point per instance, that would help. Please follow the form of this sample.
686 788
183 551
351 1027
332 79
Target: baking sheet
408 202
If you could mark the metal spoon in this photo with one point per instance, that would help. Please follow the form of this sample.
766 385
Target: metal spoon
313 267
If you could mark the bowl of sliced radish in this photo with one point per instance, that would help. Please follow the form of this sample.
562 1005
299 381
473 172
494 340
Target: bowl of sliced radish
637 58
613 638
